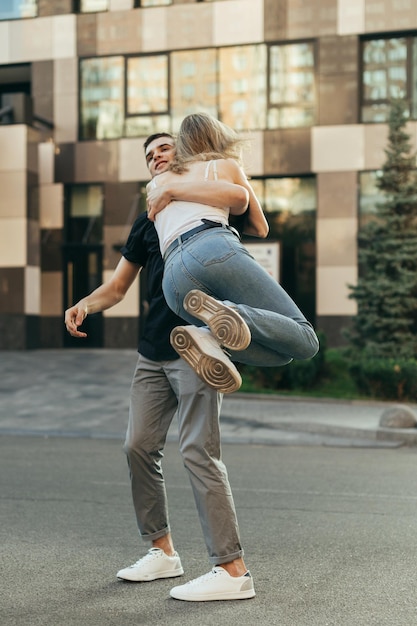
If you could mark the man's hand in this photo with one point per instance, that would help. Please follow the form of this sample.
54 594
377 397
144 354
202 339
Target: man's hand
157 199
74 317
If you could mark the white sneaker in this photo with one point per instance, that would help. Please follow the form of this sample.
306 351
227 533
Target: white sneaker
216 585
200 350
226 324
155 564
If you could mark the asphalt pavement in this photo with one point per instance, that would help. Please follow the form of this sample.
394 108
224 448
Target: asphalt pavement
326 503
86 393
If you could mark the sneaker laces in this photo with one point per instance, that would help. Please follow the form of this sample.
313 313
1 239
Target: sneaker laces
150 556
208 576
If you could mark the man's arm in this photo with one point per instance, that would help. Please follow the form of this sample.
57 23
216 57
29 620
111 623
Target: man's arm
104 297
215 193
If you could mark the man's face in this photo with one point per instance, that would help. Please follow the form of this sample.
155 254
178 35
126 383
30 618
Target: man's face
159 154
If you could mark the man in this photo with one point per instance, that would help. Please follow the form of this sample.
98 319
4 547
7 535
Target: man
162 385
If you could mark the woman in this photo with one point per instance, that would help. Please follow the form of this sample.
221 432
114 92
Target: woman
210 277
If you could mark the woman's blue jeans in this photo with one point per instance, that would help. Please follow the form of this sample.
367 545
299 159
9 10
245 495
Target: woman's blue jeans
217 263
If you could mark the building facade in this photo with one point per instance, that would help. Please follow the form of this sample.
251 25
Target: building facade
82 83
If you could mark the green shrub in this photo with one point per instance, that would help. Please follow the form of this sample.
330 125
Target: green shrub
387 379
295 375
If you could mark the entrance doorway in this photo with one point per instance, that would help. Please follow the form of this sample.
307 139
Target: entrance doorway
83 265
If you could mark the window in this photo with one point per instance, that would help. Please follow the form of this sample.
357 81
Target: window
290 207
102 98
369 196
291 85
251 87
93 6
84 223
151 3
389 71
193 84
17 9
242 87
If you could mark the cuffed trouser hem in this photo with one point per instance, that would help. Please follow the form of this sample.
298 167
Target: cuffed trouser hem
219 560
156 535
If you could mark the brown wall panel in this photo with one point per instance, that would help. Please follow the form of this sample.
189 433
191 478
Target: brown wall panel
12 289
287 151
87 34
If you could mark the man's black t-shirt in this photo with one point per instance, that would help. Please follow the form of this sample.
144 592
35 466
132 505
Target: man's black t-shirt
142 248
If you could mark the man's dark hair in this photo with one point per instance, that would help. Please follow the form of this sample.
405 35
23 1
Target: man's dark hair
155 136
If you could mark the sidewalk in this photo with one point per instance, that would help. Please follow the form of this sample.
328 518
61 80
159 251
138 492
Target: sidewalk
86 393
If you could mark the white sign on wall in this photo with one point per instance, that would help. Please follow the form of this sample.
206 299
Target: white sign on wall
267 255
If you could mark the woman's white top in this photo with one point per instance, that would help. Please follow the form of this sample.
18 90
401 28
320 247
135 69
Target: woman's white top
178 216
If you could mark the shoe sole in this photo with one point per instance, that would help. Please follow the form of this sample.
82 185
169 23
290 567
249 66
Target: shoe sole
217 371
240 595
229 328
170 574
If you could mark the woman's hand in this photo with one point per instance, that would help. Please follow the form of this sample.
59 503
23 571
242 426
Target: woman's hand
157 199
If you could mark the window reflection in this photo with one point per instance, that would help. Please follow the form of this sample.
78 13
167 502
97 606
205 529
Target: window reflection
242 86
84 214
229 83
147 81
290 207
16 9
102 98
291 85
369 196
384 77
92 6
153 3
193 84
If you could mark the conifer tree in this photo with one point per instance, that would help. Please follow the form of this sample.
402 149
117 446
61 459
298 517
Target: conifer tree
386 293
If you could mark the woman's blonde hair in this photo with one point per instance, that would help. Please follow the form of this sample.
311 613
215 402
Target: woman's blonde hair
201 138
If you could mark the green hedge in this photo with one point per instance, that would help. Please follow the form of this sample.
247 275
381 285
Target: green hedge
295 375
388 379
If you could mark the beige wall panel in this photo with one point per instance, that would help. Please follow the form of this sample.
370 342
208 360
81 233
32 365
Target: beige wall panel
182 31
13 237
129 306
46 159
154 29
13 147
13 194
64 36
132 164
65 72
51 200
390 15
120 5
119 32
337 195
238 22
96 161
350 17
51 290
336 242
338 148
4 43
32 290
332 290
376 137
31 40
253 153
66 118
